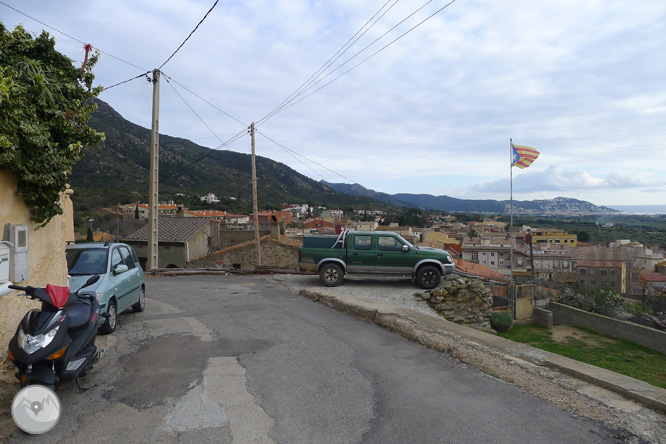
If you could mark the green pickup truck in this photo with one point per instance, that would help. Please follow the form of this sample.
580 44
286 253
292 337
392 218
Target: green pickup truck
372 252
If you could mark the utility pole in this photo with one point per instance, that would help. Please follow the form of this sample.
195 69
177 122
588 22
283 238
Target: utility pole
154 175
534 282
254 199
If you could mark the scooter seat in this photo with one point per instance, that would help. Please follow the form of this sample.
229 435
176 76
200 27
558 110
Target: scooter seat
79 314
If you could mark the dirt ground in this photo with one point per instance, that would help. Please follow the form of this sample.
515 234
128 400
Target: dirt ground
563 333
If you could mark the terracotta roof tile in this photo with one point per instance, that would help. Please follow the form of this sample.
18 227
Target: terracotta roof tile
173 229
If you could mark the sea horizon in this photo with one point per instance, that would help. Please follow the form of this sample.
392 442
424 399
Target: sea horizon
639 209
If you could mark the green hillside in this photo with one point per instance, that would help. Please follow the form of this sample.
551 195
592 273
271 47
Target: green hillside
117 171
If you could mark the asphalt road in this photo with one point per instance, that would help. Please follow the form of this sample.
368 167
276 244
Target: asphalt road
234 359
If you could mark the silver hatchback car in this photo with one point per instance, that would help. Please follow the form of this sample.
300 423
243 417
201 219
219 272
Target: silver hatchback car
121 283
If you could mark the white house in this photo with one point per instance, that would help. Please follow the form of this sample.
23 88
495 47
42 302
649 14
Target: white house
210 198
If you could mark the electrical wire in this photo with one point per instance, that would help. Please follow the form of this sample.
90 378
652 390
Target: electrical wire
73 38
204 100
191 33
145 74
193 111
214 150
292 152
352 57
212 137
309 160
340 52
289 151
364 60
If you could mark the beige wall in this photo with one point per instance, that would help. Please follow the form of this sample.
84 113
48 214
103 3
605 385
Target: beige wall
46 259
442 237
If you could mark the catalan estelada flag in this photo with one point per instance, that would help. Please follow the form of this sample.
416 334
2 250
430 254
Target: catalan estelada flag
523 156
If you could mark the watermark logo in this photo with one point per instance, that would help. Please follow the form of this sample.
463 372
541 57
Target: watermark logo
36 409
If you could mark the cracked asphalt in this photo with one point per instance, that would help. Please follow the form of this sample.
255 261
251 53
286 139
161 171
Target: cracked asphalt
243 359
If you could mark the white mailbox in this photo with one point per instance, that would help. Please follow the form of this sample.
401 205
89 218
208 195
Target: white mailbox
4 262
17 235
4 269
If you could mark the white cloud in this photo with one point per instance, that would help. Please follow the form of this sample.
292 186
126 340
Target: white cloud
432 113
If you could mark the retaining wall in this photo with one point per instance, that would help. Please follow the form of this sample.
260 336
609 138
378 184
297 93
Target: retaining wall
649 337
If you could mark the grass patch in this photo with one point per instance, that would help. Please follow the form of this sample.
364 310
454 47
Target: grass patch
583 345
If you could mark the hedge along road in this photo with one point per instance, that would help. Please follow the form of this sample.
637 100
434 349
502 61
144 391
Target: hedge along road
241 359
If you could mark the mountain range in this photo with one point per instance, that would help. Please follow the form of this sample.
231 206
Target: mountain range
117 171
556 206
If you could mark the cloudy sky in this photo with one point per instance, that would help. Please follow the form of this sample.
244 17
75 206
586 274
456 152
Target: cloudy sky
429 112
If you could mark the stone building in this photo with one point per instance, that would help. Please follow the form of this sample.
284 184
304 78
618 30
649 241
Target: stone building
179 240
609 274
279 252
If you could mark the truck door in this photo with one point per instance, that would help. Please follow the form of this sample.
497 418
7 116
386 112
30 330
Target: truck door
391 258
361 255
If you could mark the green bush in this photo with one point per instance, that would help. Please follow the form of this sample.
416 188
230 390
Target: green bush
501 322
600 301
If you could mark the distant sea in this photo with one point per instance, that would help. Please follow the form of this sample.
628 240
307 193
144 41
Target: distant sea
640 209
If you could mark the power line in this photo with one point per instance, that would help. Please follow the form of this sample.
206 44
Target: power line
213 136
193 111
145 74
309 160
354 56
205 101
73 38
188 37
226 144
367 58
288 150
340 52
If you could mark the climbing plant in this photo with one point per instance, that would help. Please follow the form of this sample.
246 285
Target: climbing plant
45 104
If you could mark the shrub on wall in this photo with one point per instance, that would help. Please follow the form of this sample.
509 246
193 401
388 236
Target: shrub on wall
501 322
45 104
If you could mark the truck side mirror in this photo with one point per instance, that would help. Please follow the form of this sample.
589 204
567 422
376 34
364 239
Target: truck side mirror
405 248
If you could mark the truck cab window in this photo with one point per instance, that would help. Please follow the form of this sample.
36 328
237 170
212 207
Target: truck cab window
388 243
363 243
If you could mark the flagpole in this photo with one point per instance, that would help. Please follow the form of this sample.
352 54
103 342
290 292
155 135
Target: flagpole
512 293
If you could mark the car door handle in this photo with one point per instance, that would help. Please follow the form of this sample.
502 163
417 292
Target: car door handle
354 254
380 254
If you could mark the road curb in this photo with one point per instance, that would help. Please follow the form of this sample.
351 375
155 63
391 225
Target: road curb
451 338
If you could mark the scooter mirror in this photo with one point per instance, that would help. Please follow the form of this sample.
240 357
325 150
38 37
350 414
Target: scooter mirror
91 281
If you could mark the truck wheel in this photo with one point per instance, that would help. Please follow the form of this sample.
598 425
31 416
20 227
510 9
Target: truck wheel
428 277
331 275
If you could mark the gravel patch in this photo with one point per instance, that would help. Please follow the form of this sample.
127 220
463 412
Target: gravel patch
395 290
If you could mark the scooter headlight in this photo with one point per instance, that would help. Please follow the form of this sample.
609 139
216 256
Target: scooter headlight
31 344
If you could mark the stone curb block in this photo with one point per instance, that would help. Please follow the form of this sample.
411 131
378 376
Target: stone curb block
450 338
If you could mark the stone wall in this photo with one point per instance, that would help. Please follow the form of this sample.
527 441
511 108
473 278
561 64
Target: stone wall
229 238
462 300
243 256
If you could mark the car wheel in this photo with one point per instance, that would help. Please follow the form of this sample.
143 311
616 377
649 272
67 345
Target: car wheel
428 277
331 275
110 325
139 306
